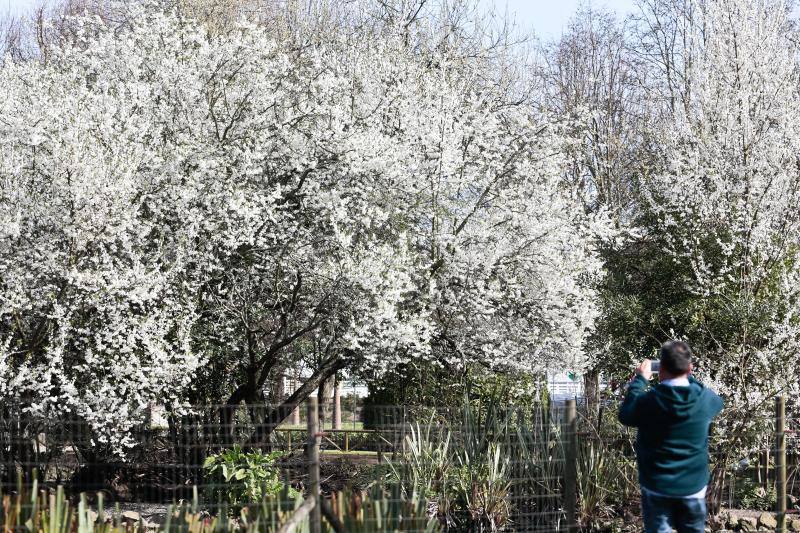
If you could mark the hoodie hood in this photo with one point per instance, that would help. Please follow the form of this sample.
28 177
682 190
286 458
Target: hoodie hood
678 401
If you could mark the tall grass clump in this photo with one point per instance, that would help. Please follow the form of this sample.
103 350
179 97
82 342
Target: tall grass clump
495 468
490 470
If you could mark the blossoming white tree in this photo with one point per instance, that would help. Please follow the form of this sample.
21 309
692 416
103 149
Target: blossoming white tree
728 197
185 215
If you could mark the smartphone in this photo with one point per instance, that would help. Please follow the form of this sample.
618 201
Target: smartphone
654 366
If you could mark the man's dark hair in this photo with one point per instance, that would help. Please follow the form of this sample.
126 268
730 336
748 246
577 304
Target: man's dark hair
676 357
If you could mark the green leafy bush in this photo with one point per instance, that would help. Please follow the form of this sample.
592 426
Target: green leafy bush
237 477
754 496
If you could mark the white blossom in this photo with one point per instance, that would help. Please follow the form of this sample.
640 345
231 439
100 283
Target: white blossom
174 201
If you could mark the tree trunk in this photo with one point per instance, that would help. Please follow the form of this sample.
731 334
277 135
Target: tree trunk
227 431
591 391
716 485
324 394
277 392
280 412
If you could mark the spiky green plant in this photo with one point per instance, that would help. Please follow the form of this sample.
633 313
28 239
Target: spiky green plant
40 511
493 469
382 509
483 488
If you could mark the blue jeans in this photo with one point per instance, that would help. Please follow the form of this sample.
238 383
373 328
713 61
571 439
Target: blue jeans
661 514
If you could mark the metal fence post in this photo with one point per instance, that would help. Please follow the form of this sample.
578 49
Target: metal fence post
780 462
313 466
570 464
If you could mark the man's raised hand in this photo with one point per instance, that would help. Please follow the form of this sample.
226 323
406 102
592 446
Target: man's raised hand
644 369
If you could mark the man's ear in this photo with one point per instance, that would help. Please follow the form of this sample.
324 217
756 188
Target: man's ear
691 367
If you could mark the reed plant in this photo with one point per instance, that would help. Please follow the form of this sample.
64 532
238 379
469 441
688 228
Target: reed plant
380 509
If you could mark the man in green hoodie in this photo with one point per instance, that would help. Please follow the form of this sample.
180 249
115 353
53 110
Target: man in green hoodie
673 420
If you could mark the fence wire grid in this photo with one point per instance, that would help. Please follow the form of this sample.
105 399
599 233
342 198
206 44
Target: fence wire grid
537 468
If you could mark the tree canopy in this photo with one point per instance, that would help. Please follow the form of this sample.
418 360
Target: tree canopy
188 213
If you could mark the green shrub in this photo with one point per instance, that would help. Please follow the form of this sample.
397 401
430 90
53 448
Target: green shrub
237 478
426 389
754 496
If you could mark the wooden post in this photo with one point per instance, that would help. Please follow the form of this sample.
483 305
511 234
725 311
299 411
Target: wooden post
780 462
570 464
298 516
354 407
313 465
337 404
296 410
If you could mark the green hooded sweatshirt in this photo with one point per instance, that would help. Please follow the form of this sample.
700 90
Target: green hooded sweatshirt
672 437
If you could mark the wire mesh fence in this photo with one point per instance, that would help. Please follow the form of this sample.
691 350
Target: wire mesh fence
472 468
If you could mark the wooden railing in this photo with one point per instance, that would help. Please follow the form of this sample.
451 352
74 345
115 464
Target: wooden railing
386 443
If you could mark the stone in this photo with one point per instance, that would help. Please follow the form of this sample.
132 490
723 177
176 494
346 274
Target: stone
717 523
131 516
748 523
793 524
767 521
